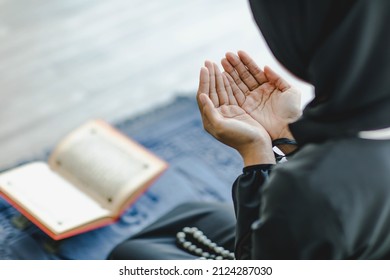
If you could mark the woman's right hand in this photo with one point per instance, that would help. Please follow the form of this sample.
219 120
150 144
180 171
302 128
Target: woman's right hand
264 95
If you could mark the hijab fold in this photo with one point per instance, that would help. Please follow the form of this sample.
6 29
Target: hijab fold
342 48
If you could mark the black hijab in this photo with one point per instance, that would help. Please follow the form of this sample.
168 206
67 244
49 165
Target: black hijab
342 47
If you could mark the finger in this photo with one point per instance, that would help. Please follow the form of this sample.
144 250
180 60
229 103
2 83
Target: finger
237 93
209 113
212 90
228 67
242 71
274 78
203 84
229 90
253 68
220 86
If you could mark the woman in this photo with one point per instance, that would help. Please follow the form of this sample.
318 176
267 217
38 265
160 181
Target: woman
331 199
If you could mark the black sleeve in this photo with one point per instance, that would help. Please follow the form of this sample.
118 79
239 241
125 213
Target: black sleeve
279 218
246 199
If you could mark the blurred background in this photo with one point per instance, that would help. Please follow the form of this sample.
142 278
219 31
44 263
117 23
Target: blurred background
63 62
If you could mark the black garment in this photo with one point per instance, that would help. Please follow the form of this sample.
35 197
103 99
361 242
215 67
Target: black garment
332 198
158 241
342 47
329 201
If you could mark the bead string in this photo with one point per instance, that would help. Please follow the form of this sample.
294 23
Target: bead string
194 241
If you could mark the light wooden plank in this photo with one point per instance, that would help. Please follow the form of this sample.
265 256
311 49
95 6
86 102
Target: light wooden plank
64 62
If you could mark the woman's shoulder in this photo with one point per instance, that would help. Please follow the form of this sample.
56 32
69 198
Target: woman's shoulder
335 159
338 173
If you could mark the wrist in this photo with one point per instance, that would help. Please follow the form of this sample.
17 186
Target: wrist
257 153
286 148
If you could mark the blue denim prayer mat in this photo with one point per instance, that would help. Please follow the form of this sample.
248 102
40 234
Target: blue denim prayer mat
201 169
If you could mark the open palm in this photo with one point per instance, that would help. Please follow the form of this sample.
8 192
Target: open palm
222 116
264 95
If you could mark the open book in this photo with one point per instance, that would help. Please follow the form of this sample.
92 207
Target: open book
91 177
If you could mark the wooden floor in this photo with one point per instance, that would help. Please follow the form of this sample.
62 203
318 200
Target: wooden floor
63 62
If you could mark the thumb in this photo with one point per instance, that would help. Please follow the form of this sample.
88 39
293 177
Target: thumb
209 112
274 78
204 99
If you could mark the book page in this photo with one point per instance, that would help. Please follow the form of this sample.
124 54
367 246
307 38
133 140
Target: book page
104 165
53 201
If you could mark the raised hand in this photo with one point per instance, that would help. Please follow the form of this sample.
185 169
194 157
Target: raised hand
224 119
264 95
